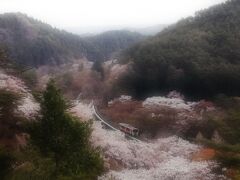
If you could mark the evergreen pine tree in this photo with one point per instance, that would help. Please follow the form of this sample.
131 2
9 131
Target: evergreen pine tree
64 138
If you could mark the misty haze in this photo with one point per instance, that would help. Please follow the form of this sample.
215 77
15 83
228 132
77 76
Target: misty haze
120 90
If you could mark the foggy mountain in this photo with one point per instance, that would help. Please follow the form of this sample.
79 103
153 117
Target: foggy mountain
34 43
198 56
90 31
149 31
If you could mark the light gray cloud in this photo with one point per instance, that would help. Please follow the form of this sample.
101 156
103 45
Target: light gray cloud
84 13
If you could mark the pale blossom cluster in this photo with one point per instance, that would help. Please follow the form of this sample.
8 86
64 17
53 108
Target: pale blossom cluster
140 154
27 106
171 169
122 98
12 83
175 103
84 111
164 158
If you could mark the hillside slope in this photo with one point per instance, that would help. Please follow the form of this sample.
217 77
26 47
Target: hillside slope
34 43
198 56
111 42
150 30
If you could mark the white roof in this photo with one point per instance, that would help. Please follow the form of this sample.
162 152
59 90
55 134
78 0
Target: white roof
127 126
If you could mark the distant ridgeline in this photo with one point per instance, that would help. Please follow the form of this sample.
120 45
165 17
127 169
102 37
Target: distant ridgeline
199 56
34 43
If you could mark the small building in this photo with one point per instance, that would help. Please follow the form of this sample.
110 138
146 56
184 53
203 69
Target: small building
128 129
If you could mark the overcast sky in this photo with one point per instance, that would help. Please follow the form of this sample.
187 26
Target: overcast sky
67 14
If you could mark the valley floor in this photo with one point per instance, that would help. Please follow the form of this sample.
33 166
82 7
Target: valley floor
163 158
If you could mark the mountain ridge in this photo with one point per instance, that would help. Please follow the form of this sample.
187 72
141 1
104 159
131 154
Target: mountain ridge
32 42
198 56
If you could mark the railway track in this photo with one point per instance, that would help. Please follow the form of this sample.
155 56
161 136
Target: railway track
100 118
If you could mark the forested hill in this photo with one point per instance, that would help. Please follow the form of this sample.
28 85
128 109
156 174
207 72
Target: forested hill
32 42
111 42
199 56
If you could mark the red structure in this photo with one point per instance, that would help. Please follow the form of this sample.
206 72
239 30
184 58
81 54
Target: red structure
128 129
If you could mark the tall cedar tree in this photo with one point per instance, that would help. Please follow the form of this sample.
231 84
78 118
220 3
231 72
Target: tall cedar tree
65 139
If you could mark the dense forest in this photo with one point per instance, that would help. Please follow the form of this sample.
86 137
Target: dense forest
112 41
199 56
34 43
